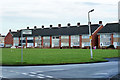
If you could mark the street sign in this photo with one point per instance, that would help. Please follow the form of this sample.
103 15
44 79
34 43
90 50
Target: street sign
90 37
23 32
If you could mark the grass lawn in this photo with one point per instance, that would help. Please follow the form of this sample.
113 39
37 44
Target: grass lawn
54 56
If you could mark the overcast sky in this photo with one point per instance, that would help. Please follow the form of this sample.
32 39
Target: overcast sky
18 14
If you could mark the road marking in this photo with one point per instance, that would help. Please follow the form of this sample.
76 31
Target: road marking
40 77
24 73
49 76
32 73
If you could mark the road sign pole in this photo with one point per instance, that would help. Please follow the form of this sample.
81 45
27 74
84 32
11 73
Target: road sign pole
21 46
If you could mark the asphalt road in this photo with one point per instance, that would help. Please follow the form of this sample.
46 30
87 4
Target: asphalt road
93 70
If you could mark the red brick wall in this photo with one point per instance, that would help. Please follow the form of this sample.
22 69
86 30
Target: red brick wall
50 41
111 39
98 41
80 40
8 39
60 41
69 41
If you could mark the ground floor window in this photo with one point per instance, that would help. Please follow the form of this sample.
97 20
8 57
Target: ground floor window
8 45
64 41
55 41
75 40
105 40
116 44
46 41
85 44
30 44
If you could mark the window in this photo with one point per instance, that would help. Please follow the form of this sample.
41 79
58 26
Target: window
85 44
29 38
64 37
85 36
117 35
75 40
16 38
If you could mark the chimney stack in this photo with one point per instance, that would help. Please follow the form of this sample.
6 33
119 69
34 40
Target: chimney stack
17 30
68 24
100 22
78 24
50 26
59 25
9 30
35 27
27 27
42 26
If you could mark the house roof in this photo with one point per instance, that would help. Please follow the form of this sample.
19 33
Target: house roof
110 28
13 33
56 31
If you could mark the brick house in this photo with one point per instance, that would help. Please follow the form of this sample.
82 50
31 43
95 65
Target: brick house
56 37
2 40
109 35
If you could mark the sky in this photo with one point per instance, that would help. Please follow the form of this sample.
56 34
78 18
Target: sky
19 14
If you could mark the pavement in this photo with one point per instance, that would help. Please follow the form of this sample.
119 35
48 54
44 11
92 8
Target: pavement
103 70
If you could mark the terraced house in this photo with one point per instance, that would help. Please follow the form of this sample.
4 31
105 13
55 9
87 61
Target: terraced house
109 35
55 37
2 40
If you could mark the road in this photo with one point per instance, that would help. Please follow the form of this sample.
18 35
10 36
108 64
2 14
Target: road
93 70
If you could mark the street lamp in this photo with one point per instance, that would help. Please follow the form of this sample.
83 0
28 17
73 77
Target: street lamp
90 33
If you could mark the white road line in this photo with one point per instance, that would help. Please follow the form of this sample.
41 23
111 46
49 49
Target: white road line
49 76
32 73
41 74
24 73
40 77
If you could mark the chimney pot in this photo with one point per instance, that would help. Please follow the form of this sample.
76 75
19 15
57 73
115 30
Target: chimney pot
68 24
35 27
42 26
50 26
78 24
27 27
100 22
9 30
59 25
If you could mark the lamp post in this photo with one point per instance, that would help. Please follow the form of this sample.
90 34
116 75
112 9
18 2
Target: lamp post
90 33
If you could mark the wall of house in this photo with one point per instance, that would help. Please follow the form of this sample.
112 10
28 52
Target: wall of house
38 41
85 40
75 40
105 40
116 40
46 41
64 41
16 41
2 41
8 41
55 41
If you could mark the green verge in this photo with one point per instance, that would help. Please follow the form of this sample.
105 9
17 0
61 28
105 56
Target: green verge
54 56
